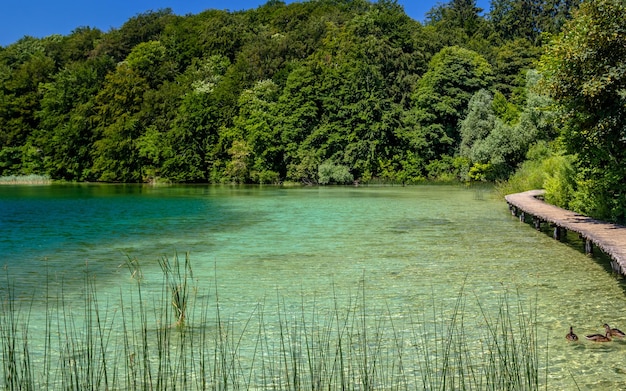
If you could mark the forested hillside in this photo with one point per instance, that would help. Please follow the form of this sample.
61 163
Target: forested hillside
324 91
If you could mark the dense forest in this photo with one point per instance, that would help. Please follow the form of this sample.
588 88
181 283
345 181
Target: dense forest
331 91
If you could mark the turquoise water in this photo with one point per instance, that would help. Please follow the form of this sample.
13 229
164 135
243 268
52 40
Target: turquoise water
404 249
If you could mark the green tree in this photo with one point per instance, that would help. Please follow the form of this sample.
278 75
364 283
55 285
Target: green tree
351 95
26 65
299 112
143 27
476 126
238 167
487 142
512 60
158 112
65 134
457 14
148 60
115 153
283 88
190 139
454 75
254 125
487 139
585 71
194 152
528 19
78 46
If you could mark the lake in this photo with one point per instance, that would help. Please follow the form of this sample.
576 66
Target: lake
409 253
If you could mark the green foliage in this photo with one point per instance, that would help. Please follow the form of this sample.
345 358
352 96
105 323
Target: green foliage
255 125
65 132
10 160
549 168
488 142
454 75
539 117
268 95
460 15
447 169
560 182
148 60
478 123
194 149
488 139
504 110
601 194
78 46
143 27
480 172
238 168
512 60
528 19
585 72
24 66
115 153
331 173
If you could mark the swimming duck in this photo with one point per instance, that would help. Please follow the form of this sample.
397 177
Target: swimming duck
571 336
599 337
614 332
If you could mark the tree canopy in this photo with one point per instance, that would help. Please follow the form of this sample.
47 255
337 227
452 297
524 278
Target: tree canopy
585 72
327 91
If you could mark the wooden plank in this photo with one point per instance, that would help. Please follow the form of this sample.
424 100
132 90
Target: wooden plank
609 237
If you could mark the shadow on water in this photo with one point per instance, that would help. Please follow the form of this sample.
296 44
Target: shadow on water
574 241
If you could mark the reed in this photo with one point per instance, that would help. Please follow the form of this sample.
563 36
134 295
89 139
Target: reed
168 336
17 368
177 278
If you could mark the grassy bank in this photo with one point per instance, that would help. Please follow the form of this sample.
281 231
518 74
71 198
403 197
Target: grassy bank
176 336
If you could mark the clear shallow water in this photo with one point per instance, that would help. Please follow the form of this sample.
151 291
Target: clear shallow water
405 248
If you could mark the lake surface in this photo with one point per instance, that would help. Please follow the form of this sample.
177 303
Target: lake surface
400 250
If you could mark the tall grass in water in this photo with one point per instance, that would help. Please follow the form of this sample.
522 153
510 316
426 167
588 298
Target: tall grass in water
177 278
171 336
17 367
499 352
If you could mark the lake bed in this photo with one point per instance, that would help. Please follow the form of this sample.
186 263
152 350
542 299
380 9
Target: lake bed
405 253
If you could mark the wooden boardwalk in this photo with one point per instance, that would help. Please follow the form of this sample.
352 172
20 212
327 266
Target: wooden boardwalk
610 238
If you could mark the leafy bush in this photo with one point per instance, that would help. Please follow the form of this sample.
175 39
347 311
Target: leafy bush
600 195
546 168
448 169
329 172
560 180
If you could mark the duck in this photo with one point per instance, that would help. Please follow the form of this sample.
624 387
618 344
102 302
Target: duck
614 332
571 336
599 337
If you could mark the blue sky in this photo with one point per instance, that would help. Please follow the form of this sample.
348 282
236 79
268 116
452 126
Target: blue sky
40 18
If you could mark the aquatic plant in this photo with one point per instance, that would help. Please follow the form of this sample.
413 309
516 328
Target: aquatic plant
177 278
102 343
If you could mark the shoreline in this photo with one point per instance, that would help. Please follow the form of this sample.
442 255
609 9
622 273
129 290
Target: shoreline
25 180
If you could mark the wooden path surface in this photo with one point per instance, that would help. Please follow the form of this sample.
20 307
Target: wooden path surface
610 238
